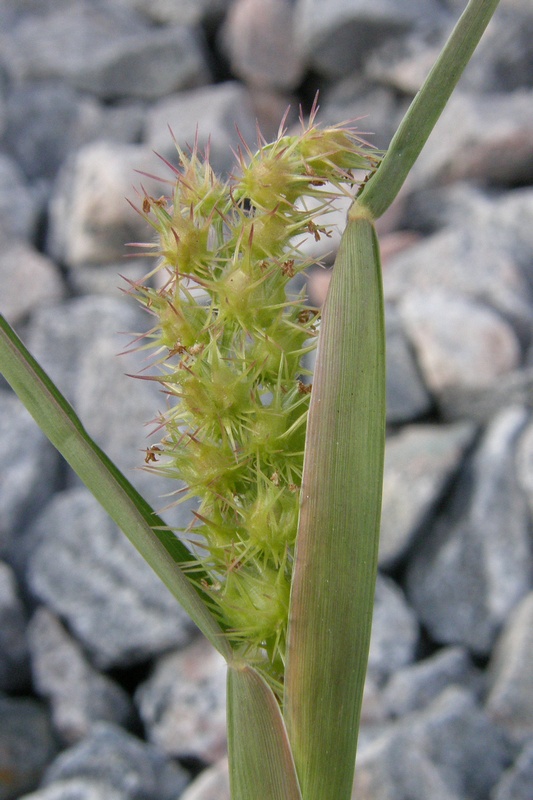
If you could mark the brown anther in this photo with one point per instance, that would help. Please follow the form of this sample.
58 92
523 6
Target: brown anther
287 268
305 388
151 454
149 201
306 315
196 349
275 478
293 487
177 350
313 228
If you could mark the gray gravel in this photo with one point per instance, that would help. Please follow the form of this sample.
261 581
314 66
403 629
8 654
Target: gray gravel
108 691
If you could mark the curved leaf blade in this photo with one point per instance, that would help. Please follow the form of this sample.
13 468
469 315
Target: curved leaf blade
421 116
146 531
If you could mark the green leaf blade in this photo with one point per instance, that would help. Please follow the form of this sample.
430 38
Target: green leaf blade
260 758
128 509
336 553
420 119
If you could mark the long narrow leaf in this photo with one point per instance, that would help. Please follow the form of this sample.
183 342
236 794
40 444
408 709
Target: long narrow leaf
261 763
412 134
57 419
336 553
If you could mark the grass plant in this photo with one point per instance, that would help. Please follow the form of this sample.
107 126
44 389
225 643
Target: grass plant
278 566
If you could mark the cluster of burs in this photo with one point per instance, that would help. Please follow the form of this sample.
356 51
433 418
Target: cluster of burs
229 341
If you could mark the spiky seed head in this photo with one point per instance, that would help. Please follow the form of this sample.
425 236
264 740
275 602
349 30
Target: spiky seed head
229 341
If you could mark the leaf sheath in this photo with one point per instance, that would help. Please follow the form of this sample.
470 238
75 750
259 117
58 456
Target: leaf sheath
336 552
260 758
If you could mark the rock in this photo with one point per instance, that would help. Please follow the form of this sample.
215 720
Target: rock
420 462
397 242
269 108
13 11
29 280
258 37
77 789
77 344
90 220
28 465
373 712
506 218
524 463
470 753
335 38
501 63
27 745
459 343
14 662
513 389
475 260
395 631
516 781
514 212
18 210
60 336
183 703
209 116
3 82
510 695
78 695
390 769
503 59
105 52
415 686
107 279
213 784
183 12
403 63
407 397
486 138
465 576
450 206
449 751
85 570
49 120
130 406
133 769
373 107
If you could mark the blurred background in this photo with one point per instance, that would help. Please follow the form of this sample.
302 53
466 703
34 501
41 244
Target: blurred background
106 689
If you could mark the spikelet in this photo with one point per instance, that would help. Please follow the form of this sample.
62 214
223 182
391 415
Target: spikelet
229 343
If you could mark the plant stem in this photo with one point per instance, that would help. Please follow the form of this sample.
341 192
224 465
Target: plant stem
427 106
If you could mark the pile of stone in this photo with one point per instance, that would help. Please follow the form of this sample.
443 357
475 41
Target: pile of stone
106 689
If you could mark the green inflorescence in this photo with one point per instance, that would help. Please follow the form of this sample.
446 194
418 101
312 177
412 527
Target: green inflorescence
229 342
